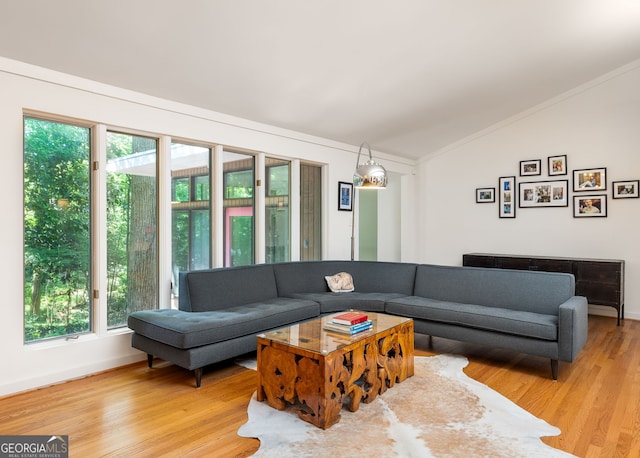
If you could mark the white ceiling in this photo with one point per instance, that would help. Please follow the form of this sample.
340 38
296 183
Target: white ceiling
408 76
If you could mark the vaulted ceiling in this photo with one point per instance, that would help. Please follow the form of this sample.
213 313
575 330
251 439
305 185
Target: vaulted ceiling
408 76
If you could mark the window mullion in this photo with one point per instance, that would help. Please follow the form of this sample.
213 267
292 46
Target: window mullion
99 228
217 207
259 209
164 222
294 211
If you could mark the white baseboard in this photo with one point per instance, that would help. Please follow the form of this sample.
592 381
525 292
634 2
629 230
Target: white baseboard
603 310
68 375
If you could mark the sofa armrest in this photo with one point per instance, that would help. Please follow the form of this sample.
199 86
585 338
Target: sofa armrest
572 327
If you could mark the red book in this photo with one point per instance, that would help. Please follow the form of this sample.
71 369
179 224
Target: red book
350 318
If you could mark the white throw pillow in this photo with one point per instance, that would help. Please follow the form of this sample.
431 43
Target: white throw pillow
340 283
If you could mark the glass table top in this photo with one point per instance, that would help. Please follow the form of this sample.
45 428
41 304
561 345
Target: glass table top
311 335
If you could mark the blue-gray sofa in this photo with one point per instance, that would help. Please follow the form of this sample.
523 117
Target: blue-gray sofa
221 310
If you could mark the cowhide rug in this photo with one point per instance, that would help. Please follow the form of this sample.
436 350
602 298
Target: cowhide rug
439 412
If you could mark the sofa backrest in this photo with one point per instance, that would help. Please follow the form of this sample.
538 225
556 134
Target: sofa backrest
218 289
368 276
540 292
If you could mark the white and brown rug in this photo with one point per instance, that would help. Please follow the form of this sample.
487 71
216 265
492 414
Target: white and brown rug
439 412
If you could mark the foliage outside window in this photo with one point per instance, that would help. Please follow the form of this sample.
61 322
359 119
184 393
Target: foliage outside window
180 190
238 185
132 235
202 189
57 222
278 180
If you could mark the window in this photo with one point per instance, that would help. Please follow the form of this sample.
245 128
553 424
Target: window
57 229
310 212
62 227
277 217
190 210
238 208
132 229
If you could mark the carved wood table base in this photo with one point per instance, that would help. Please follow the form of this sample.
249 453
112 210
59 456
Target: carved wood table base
319 383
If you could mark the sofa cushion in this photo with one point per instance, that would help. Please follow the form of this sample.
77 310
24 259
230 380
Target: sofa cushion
508 321
337 302
539 292
193 329
219 289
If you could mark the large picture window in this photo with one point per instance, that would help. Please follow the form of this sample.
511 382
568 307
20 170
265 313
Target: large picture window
75 202
57 229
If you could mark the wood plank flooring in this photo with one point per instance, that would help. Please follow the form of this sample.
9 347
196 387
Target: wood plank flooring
135 411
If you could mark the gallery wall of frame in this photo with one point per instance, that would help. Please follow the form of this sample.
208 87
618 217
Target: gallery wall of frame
589 187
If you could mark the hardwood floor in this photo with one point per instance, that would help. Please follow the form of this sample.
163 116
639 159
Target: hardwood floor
135 411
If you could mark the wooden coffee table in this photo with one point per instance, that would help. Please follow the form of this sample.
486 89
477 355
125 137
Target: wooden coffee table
318 371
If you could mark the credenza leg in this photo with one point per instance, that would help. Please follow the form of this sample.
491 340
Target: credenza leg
620 313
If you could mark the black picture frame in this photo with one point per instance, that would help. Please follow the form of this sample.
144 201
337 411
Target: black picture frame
557 165
590 206
627 189
531 167
345 196
485 195
590 180
550 193
507 197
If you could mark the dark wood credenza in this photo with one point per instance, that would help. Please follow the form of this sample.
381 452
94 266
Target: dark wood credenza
601 281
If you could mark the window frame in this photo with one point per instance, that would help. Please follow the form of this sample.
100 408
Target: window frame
98 283
91 278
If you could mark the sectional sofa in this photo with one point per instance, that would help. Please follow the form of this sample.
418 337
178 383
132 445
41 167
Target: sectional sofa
221 310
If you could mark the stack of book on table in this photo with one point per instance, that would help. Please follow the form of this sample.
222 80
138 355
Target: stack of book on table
349 323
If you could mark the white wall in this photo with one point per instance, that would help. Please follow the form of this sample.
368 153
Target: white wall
595 125
23 87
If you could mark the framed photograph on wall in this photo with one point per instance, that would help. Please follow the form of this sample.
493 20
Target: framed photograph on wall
345 196
557 165
590 179
485 195
625 189
532 167
507 197
544 194
589 206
